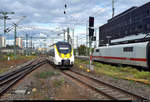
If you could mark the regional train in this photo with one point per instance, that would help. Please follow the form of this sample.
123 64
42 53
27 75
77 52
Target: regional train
135 54
61 54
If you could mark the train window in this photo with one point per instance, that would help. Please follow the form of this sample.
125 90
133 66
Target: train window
128 49
97 50
53 53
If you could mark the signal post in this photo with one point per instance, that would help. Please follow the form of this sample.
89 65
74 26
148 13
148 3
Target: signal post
91 38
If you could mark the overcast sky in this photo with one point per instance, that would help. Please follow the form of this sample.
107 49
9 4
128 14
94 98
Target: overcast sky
45 18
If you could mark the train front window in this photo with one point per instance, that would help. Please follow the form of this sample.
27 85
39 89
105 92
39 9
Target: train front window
64 49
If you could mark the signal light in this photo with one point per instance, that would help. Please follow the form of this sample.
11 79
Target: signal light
91 21
65 6
91 32
93 38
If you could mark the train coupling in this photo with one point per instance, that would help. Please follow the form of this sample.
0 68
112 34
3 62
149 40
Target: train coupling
65 62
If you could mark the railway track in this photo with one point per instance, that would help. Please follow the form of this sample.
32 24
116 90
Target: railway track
9 79
112 92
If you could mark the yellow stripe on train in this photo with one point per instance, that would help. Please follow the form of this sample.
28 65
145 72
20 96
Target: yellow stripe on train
68 55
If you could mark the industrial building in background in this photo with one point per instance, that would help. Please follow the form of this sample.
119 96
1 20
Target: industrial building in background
134 21
19 42
2 41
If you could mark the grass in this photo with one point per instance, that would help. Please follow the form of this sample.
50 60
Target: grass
115 71
45 74
143 75
5 65
2 70
58 82
18 57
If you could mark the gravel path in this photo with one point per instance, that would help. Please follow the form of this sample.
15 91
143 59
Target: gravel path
47 88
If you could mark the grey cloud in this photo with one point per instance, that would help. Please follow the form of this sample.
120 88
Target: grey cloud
50 12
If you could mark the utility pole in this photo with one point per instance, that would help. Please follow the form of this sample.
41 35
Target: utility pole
64 35
14 26
68 34
66 23
45 45
33 48
91 35
5 17
15 36
73 37
86 39
113 9
77 46
31 44
96 37
26 44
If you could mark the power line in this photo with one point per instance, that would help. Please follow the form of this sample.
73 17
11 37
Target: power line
96 13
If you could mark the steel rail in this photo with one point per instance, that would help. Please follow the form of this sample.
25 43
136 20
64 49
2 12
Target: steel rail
14 79
15 71
90 86
13 76
109 85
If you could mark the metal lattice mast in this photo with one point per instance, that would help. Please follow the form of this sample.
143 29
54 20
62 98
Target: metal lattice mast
15 36
5 17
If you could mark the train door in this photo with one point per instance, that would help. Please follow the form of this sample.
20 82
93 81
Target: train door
128 54
107 54
97 53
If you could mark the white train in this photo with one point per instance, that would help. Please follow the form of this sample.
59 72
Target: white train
137 54
61 54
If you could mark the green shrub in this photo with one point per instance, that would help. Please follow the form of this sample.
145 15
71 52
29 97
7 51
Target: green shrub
142 75
98 64
129 70
45 74
117 71
58 82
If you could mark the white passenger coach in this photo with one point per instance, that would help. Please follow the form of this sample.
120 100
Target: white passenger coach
137 54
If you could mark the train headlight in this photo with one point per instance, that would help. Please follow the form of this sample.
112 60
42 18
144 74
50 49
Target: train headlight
59 63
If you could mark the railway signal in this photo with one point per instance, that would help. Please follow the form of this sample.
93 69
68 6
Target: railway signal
91 27
91 38
91 21
91 32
